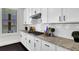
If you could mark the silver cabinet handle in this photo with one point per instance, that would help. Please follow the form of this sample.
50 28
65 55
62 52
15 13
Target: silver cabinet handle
64 18
25 22
34 44
35 11
37 40
25 38
46 45
20 35
59 18
29 41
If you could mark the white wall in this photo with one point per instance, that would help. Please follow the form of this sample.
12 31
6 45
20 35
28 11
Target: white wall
6 39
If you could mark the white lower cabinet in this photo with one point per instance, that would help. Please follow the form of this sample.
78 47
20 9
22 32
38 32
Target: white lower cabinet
58 48
22 35
33 43
30 42
37 44
46 46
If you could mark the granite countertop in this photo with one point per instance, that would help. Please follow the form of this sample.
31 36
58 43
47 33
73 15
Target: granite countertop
62 42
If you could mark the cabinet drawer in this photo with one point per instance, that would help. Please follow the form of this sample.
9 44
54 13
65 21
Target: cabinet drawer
46 46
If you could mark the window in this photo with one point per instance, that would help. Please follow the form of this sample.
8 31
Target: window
9 20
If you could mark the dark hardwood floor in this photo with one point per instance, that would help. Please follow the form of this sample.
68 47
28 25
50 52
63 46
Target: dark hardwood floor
13 47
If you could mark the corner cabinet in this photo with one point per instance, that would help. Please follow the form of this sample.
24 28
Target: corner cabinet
23 38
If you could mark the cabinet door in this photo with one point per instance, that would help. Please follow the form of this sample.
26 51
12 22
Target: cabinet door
27 14
37 44
23 38
35 11
47 46
71 14
30 43
61 49
54 15
44 15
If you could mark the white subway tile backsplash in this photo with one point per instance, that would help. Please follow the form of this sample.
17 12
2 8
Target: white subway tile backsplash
63 30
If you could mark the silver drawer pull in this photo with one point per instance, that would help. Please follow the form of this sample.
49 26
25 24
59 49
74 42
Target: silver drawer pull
25 38
64 18
25 22
20 35
59 18
34 44
29 41
37 40
46 45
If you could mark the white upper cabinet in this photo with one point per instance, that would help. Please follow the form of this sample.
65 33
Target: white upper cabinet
71 14
27 14
35 11
54 15
44 15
